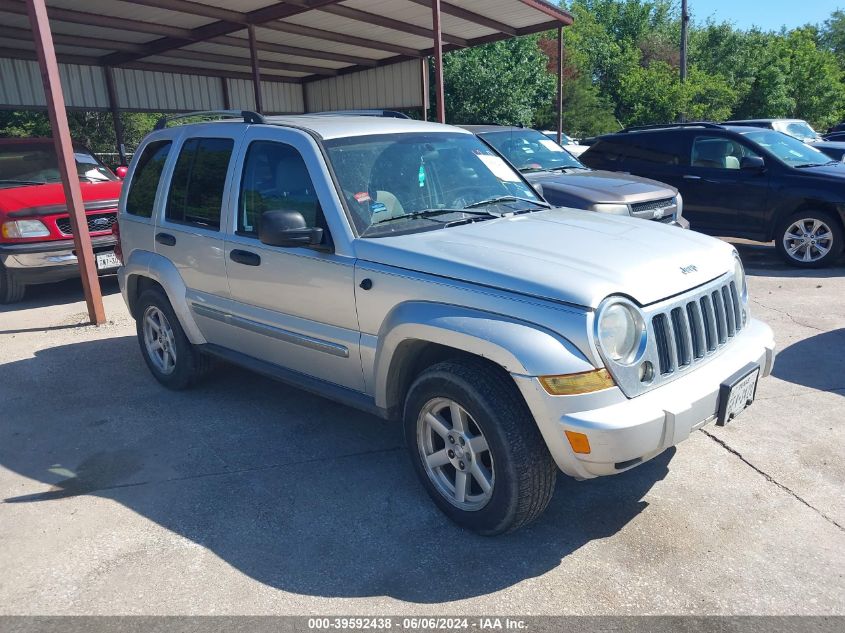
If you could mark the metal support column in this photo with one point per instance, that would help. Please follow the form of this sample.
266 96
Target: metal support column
256 71
224 88
438 61
424 87
115 114
49 67
559 84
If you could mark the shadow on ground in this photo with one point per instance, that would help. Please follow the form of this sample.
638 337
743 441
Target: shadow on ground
59 293
296 492
763 260
816 362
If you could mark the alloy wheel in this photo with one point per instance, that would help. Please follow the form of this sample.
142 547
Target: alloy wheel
808 240
159 340
455 454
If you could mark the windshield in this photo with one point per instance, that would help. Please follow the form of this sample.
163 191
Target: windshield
36 163
790 150
799 129
388 178
529 150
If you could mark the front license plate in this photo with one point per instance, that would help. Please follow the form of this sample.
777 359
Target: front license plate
107 260
736 393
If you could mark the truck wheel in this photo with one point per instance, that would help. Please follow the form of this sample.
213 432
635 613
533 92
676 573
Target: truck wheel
11 290
476 448
810 239
171 357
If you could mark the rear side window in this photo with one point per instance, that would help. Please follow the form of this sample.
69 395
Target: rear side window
142 189
196 189
275 178
655 148
605 152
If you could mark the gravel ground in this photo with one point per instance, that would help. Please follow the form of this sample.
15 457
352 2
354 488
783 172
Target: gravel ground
244 496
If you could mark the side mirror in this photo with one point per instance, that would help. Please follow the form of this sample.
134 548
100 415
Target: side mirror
121 171
287 229
752 164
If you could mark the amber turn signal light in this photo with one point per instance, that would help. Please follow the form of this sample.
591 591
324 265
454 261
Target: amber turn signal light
572 384
578 442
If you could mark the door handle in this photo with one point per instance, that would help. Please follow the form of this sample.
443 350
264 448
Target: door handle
691 177
246 258
165 238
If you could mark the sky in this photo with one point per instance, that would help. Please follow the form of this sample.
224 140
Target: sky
767 14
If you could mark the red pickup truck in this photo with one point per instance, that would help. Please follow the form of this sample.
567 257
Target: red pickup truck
36 239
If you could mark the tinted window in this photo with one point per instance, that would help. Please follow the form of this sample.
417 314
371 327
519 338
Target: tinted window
716 152
196 189
142 191
655 148
275 178
605 151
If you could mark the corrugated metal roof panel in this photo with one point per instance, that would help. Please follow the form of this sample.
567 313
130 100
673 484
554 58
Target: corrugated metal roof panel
393 86
275 97
83 86
132 10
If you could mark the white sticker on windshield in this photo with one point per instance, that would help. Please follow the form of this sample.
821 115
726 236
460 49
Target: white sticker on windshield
499 168
551 145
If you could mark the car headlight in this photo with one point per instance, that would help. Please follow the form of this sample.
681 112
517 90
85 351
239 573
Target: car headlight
739 279
612 209
621 332
19 229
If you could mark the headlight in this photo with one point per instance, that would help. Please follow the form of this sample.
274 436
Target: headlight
613 209
19 229
621 332
739 279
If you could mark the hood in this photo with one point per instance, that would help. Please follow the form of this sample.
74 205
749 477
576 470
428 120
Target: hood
562 254
53 195
602 186
833 170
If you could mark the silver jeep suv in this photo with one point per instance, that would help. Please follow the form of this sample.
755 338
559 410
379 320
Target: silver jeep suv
404 268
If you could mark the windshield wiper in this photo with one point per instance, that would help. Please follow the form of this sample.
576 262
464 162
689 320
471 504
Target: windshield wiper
429 215
501 199
805 165
22 182
565 167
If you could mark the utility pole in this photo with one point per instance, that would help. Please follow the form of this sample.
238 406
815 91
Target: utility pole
684 24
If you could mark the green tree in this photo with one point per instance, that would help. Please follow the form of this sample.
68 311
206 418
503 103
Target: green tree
504 82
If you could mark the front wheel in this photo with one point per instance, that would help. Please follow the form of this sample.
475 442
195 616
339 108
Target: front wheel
810 239
476 448
11 290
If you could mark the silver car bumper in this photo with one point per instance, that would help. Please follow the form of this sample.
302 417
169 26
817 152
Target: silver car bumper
41 262
623 432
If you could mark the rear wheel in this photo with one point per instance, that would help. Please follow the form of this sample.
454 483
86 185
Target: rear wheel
11 290
476 447
810 239
170 356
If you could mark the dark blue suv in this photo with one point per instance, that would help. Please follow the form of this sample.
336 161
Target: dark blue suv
739 181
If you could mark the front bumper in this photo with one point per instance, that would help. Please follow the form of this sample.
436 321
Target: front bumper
44 262
626 432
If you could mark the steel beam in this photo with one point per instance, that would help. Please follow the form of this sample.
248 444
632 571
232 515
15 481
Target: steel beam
256 69
341 38
438 61
63 143
470 16
559 84
235 60
424 87
389 23
115 114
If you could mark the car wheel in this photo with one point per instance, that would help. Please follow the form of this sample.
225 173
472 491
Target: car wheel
810 239
476 448
11 290
171 357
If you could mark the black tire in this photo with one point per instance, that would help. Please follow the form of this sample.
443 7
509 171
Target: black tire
836 242
11 290
524 473
190 365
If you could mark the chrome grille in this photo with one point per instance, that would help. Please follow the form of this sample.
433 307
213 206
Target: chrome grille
96 223
651 205
691 330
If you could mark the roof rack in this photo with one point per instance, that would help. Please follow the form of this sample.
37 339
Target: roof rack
391 114
661 126
247 115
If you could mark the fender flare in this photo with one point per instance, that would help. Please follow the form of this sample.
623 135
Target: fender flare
161 270
518 346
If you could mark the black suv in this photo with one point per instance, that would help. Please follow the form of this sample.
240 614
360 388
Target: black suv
740 181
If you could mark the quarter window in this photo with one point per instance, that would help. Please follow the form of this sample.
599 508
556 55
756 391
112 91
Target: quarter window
142 189
275 178
196 189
